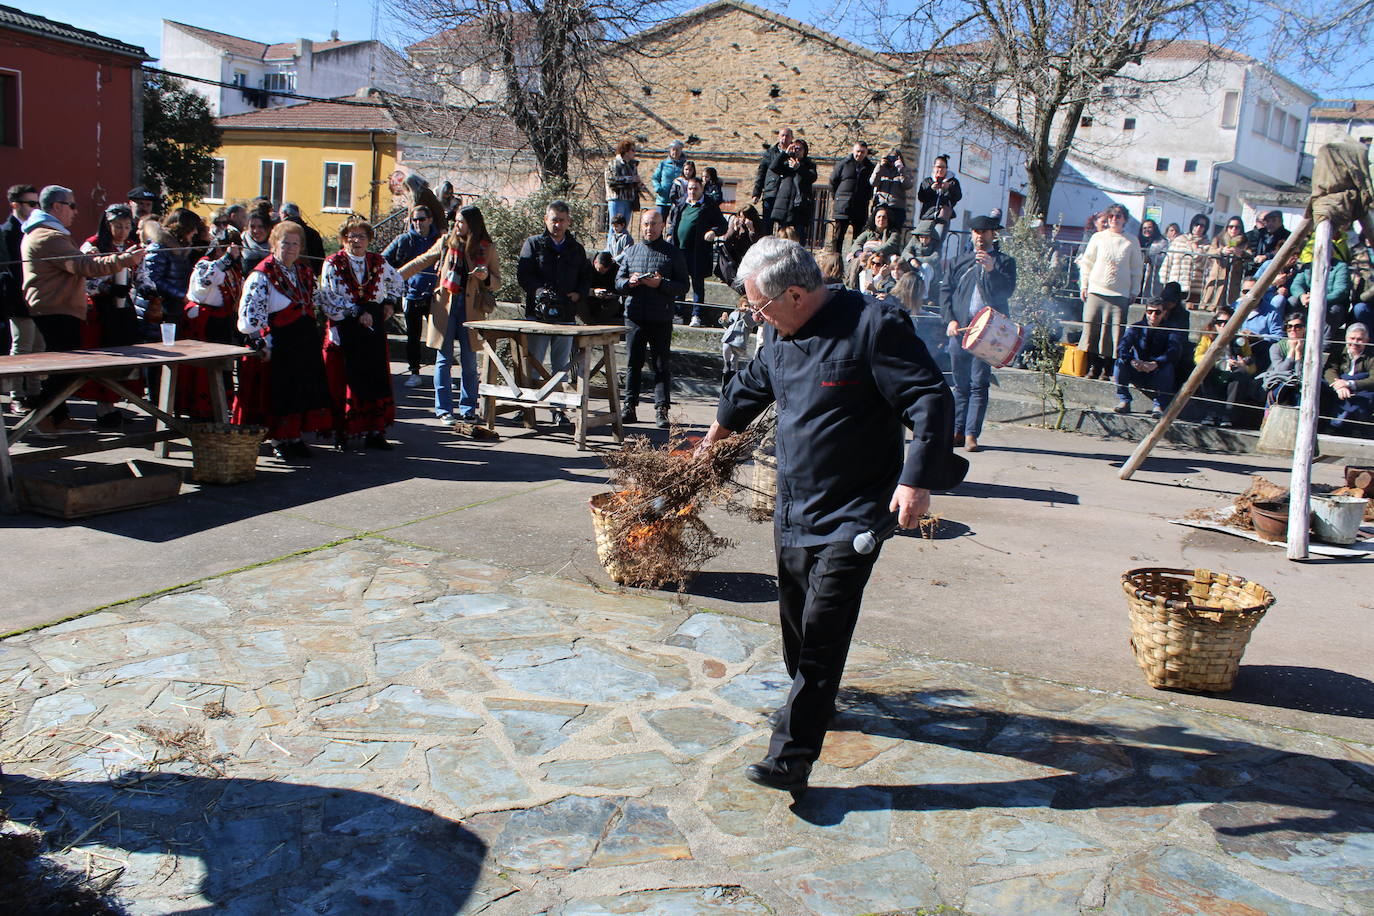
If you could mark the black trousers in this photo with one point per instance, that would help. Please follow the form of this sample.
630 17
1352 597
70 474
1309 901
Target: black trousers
819 592
657 337
60 333
842 225
416 310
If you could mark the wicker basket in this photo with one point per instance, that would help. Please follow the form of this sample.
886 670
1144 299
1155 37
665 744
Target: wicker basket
765 484
1189 627
602 506
225 453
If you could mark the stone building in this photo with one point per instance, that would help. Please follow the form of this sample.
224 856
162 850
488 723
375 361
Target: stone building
726 76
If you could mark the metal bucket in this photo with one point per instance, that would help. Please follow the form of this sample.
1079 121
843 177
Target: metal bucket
1336 519
994 338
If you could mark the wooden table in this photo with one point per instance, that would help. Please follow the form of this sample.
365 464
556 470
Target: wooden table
111 367
525 383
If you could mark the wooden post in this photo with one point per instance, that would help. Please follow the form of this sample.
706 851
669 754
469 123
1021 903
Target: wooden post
1218 347
1305 445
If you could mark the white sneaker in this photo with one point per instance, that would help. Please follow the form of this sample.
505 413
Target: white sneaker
696 322
415 381
447 419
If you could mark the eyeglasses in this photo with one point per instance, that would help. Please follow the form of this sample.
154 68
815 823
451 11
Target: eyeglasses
1296 324
1154 311
419 219
758 310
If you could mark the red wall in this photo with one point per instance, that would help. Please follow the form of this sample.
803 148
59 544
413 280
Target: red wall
76 122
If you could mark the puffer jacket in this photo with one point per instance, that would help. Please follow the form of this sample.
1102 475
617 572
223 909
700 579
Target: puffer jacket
55 270
169 269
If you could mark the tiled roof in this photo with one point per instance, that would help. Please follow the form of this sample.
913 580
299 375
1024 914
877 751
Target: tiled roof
1343 110
246 47
469 35
388 114
11 18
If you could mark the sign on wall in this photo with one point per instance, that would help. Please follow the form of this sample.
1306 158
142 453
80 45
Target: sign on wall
975 162
1154 212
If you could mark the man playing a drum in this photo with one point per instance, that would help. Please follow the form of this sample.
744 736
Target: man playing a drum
981 277
846 373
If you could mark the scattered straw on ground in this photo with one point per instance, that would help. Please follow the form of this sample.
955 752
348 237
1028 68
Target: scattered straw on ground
1260 490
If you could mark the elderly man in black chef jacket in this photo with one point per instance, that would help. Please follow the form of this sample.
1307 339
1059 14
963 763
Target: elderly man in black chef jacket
846 373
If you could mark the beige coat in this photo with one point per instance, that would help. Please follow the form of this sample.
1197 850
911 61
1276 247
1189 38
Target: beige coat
441 253
55 272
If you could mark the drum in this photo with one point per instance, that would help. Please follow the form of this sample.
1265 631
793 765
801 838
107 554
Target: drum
994 338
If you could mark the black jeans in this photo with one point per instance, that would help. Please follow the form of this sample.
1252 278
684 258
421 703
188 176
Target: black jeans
416 310
843 225
819 592
657 336
60 333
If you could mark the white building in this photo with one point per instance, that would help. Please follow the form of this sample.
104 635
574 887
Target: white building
1336 118
258 73
1209 123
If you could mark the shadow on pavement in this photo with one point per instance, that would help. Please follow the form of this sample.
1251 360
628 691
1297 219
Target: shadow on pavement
976 490
422 452
747 587
265 847
1319 690
1102 765
1163 464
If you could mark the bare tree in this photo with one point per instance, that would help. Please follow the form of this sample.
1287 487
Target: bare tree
1326 41
1042 63
547 64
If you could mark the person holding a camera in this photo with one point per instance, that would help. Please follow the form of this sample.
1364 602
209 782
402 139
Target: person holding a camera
938 194
553 272
653 274
892 182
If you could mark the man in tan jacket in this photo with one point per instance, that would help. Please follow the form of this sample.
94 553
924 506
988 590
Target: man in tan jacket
55 273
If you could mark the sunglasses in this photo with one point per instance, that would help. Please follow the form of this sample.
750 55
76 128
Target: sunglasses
1298 324
28 203
1154 311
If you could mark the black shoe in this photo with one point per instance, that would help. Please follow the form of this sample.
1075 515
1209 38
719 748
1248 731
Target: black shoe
628 415
341 442
783 775
279 450
111 422
377 441
661 419
298 449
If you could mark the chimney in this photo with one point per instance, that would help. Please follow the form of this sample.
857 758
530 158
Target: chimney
304 49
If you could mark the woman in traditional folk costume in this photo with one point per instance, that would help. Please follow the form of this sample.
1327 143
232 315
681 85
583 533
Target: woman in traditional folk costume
211 314
283 386
359 291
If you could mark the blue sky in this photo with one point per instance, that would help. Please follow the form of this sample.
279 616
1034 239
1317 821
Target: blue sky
139 22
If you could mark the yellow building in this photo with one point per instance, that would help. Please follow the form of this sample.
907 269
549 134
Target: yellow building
331 159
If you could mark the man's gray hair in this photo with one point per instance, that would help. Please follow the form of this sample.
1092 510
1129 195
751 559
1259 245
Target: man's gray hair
776 264
1357 326
290 211
54 194
676 144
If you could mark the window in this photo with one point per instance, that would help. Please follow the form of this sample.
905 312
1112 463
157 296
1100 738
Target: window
9 107
1085 122
1223 203
273 185
1108 92
1161 165
1261 125
338 186
1230 102
214 190
1190 165
279 82
1132 92
1294 130
240 79
1128 124
1277 122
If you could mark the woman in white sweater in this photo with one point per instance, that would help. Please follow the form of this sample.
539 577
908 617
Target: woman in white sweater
1110 272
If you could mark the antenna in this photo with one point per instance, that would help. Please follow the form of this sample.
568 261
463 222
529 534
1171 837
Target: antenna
372 51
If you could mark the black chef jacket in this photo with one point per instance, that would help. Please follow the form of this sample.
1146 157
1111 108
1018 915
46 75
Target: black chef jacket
844 385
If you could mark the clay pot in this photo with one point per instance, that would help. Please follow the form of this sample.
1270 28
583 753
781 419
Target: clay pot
1270 520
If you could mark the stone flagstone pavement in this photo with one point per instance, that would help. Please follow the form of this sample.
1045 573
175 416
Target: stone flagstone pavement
379 728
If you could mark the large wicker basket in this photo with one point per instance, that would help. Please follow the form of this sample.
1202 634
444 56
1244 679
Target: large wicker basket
225 453
603 505
1189 627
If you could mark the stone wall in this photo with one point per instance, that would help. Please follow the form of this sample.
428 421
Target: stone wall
727 77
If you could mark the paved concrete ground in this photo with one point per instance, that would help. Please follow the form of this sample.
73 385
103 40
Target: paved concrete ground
376 727
1024 579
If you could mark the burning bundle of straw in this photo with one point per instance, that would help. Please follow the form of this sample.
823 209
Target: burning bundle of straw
649 532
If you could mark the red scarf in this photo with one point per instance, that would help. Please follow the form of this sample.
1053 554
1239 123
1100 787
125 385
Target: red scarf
301 293
372 275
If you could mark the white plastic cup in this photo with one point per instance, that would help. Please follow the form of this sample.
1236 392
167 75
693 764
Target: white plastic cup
169 332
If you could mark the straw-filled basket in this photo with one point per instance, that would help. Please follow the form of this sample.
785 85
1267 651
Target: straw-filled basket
1189 627
225 453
